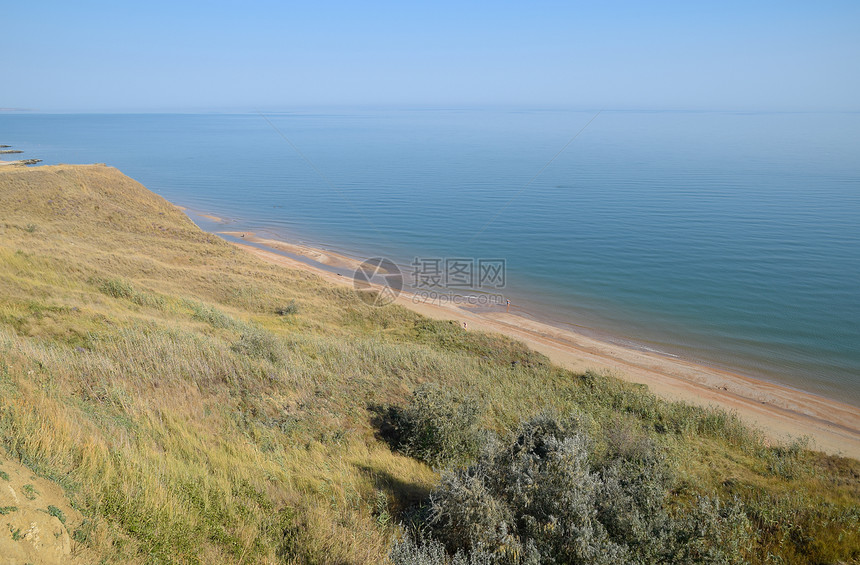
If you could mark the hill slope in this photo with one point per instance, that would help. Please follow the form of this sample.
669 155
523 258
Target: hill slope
198 405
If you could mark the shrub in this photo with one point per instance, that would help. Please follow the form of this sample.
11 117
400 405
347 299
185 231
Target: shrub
121 289
532 499
408 551
257 342
212 316
539 498
288 310
712 532
437 427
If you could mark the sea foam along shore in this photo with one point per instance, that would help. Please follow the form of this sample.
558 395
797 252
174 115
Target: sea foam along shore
781 412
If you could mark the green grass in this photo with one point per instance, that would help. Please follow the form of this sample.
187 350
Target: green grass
30 492
57 513
163 379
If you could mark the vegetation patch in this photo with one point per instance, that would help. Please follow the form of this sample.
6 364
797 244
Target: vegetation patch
30 492
289 309
213 316
57 513
437 427
118 288
257 342
540 497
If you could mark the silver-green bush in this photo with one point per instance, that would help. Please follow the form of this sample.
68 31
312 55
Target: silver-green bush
438 427
546 497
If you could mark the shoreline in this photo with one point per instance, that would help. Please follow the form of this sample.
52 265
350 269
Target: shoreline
329 258
20 162
781 412
330 255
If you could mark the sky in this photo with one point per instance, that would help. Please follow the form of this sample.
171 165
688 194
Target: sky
277 56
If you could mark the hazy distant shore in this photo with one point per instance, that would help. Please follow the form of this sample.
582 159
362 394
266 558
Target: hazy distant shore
780 411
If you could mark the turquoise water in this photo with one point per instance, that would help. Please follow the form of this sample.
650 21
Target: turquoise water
728 238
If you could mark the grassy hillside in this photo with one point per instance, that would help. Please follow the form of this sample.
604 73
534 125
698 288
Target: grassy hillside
198 405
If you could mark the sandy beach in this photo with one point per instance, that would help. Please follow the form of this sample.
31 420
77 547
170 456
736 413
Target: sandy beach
20 162
780 412
323 257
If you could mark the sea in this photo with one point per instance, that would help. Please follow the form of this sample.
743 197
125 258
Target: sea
727 238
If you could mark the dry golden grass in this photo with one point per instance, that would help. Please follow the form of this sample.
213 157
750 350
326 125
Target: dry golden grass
144 367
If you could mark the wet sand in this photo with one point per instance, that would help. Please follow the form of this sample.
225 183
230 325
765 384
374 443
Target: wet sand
320 256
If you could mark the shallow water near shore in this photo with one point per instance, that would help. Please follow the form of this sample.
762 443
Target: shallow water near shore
728 238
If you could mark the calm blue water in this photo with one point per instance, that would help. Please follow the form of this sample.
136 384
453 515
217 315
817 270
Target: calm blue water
728 238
